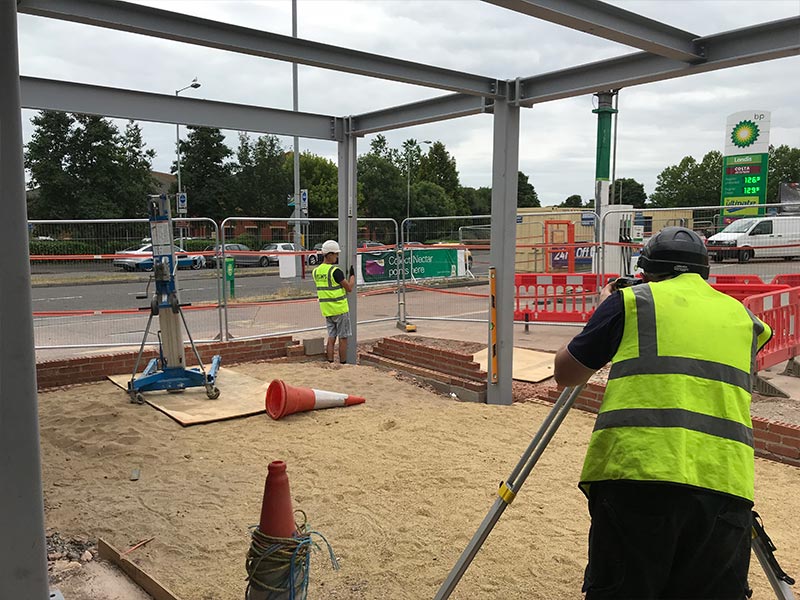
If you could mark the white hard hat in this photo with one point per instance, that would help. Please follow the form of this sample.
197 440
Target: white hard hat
330 246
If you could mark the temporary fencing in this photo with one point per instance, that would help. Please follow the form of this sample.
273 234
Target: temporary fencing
555 241
87 275
445 265
292 306
398 275
781 310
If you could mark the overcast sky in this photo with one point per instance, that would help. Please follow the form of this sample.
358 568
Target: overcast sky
659 123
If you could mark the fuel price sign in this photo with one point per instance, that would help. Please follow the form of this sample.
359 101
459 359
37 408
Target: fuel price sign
744 185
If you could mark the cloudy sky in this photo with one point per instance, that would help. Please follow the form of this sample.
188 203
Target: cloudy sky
659 123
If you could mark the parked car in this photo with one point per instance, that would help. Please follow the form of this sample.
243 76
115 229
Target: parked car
315 259
369 244
235 251
274 249
141 259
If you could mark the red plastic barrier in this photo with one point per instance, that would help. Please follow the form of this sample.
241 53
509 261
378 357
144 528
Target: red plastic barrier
735 278
561 297
790 279
781 311
742 291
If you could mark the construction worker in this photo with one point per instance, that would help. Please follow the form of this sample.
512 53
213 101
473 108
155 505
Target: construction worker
669 469
332 290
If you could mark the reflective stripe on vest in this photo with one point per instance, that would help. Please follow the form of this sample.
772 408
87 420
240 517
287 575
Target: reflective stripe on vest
677 402
332 296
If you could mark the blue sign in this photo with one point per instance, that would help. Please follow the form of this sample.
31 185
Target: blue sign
583 257
519 219
180 200
587 219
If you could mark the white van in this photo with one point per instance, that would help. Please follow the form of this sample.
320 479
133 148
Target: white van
761 237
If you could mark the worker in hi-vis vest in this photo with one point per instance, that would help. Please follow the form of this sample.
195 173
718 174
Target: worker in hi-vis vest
332 290
669 469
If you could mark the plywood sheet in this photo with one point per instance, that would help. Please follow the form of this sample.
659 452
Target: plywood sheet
529 365
240 396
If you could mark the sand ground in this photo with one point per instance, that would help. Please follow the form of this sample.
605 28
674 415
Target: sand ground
398 486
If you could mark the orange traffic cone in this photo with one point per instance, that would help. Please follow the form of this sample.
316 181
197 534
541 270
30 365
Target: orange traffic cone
284 399
277 516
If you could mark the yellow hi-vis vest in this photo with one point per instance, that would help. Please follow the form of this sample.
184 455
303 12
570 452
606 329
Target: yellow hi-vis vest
332 296
677 403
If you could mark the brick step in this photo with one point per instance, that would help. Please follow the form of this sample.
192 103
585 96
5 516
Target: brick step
369 357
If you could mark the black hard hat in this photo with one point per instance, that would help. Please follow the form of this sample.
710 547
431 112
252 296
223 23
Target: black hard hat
674 250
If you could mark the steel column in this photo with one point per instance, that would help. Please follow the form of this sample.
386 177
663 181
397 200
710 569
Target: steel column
23 563
505 165
348 226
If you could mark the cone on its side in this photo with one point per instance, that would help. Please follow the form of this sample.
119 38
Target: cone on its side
284 399
277 516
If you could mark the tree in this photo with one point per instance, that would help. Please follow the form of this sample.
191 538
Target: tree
674 185
137 176
205 175
784 167
574 201
382 188
320 177
262 182
47 157
478 201
437 166
526 194
431 200
629 191
85 169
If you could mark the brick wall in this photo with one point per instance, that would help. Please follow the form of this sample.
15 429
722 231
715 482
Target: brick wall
773 440
69 371
452 363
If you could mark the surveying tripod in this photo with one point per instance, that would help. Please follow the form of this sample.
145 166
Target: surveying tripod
168 371
761 544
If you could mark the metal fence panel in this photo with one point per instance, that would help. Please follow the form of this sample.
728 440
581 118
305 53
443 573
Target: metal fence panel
87 274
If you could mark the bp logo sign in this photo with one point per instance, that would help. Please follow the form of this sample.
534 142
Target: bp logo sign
744 134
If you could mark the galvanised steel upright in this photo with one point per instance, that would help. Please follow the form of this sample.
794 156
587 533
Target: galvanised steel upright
23 557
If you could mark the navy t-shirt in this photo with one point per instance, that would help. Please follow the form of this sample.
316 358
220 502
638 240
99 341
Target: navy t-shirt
596 345
338 276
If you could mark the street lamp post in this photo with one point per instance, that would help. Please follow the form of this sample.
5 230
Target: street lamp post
194 85
408 183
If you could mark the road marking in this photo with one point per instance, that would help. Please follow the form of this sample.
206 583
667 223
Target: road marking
61 298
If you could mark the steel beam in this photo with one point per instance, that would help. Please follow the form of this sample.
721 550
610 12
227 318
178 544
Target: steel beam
505 166
768 41
612 23
450 106
348 226
168 25
23 562
48 94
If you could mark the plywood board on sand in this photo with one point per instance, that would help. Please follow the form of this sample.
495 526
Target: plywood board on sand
241 396
529 365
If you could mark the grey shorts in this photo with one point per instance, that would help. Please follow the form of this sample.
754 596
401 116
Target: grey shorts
339 326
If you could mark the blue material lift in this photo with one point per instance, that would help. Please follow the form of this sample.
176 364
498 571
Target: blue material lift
168 371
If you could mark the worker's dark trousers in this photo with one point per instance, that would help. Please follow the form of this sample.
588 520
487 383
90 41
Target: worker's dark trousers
653 540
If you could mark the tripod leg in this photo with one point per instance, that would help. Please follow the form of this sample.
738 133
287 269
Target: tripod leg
509 489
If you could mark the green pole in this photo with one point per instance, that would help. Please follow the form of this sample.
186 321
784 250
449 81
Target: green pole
604 111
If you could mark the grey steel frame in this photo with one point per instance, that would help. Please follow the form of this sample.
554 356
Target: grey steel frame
670 53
